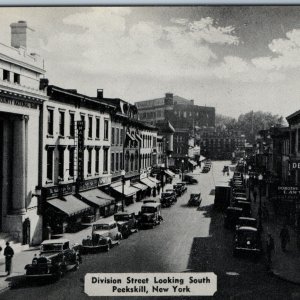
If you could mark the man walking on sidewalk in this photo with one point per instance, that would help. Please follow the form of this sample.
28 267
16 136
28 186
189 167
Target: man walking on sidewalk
284 237
270 249
8 253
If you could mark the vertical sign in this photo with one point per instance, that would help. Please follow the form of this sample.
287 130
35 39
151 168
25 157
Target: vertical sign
80 149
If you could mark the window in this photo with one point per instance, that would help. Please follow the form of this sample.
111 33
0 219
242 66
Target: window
117 162
184 114
112 162
117 136
97 128
50 121
16 78
71 162
136 160
72 124
105 160
61 152
121 136
131 162
89 169
97 160
90 126
62 123
50 164
6 75
83 118
121 161
106 129
112 135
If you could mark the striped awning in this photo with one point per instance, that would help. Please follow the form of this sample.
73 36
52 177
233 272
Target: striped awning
97 197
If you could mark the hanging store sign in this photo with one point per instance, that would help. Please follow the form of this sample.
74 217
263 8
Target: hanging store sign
80 150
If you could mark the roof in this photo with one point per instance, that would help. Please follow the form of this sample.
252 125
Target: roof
151 204
248 228
109 222
55 241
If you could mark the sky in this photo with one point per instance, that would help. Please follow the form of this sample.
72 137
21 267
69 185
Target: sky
235 58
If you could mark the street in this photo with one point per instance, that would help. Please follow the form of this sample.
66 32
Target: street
188 240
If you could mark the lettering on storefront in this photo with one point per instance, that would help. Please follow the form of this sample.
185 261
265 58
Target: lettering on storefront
288 190
93 183
295 165
18 102
59 190
80 149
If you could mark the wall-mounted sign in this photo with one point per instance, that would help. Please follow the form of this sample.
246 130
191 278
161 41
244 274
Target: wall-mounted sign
294 165
288 190
18 102
59 190
80 150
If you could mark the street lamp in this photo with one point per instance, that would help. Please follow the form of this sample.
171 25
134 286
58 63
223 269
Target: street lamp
260 178
123 173
182 162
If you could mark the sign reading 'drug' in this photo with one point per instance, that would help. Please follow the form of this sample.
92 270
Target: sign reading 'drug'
150 284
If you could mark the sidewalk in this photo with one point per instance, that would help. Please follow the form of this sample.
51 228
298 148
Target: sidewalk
285 265
22 258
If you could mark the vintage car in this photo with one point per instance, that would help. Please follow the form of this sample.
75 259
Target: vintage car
55 259
127 223
178 189
173 192
232 215
195 200
166 199
244 221
245 206
190 179
105 234
238 194
183 187
247 240
150 214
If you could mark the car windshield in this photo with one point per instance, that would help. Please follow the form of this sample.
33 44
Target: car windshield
52 247
121 217
148 209
101 227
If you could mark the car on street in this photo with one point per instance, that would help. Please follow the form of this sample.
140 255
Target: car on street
247 241
166 199
232 215
183 187
195 200
150 214
246 221
173 192
245 206
127 223
190 179
56 257
105 234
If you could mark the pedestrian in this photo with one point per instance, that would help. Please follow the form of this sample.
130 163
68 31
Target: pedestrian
8 253
284 237
270 250
254 196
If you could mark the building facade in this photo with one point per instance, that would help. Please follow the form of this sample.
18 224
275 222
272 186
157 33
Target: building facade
21 106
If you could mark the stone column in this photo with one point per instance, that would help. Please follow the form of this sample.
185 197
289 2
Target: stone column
19 166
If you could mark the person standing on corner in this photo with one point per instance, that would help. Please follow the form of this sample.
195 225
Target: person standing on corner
8 253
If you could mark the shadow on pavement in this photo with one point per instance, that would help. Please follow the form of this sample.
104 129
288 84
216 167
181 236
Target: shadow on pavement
21 281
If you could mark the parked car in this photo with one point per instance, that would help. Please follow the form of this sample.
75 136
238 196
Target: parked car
150 214
245 206
247 240
178 190
248 222
190 179
127 223
183 186
232 215
173 192
105 234
166 199
55 259
195 200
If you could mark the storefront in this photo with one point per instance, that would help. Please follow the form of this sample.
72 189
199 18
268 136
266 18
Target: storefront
142 190
124 191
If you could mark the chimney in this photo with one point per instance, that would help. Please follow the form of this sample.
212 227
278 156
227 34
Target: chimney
192 102
99 94
44 82
169 99
19 34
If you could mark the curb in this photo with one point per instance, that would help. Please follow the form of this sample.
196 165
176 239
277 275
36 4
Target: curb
280 276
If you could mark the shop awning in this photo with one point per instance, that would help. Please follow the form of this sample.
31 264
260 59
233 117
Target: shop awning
193 163
69 205
97 197
170 173
140 186
202 158
154 180
128 190
148 182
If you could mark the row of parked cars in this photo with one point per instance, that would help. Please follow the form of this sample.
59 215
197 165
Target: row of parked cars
207 166
238 217
58 256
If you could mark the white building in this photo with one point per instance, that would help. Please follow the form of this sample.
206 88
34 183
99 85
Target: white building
21 102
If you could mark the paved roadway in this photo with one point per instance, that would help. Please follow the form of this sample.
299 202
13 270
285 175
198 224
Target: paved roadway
188 240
